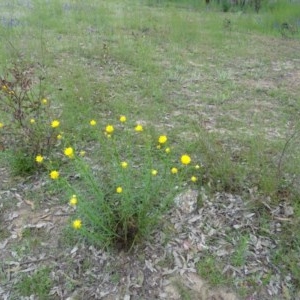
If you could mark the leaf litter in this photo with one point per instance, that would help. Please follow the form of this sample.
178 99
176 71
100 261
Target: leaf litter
153 270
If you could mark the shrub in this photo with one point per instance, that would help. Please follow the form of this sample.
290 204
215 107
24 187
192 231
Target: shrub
26 122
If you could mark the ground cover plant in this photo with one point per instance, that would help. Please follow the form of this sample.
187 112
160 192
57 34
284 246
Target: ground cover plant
220 87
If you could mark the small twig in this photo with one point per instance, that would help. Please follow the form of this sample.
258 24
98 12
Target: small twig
41 259
284 151
282 219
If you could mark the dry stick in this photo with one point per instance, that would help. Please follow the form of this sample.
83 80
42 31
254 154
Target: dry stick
283 153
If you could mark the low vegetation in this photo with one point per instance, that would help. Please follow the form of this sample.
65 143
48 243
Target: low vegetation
115 108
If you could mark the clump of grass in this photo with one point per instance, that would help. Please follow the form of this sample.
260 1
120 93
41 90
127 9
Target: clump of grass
121 198
209 268
39 284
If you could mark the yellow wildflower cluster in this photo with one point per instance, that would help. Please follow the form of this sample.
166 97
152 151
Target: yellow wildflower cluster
39 159
109 129
174 170
54 174
55 123
185 159
73 201
77 224
122 119
124 164
138 128
69 152
154 172
162 139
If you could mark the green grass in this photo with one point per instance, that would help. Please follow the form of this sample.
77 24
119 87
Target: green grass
39 283
210 268
227 93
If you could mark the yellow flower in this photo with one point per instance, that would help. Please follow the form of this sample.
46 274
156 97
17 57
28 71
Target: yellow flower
39 158
154 172
93 122
185 159
77 224
194 178
168 150
44 101
4 87
174 170
124 164
73 201
123 119
138 128
1 125
109 129
69 152
82 153
119 190
32 121
197 167
54 123
54 174
162 139
59 137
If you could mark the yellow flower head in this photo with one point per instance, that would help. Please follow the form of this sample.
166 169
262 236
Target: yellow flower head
44 101
4 87
168 150
154 172
185 159
54 174
55 123
69 152
77 224
1 125
197 167
59 136
194 178
123 119
93 122
138 128
32 121
119 190
162 139
174 170
73 201
82 153
39 159
109 129
124 164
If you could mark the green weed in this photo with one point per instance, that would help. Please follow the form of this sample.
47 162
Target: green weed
209 268
240 255
38 284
